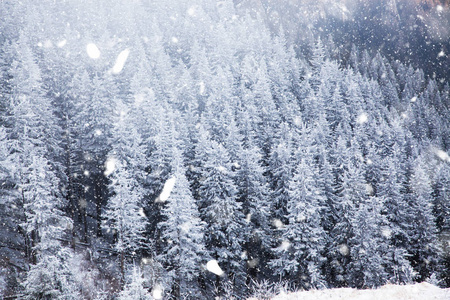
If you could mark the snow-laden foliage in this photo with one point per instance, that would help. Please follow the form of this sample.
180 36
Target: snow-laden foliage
184 149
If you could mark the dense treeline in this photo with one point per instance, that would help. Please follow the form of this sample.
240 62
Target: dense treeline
412 31
215 142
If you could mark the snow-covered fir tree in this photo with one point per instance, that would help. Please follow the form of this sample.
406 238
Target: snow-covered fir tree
183 232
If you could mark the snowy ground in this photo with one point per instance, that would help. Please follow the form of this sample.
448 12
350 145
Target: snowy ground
421 291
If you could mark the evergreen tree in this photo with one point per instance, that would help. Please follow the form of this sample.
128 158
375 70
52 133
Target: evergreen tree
134 288
368 246
50 275
423 247
183 234
281 169
299 258
398 215
220 210
95 107
124 216
253 192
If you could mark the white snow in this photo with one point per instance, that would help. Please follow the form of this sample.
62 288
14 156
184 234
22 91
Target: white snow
110 166
386 232
48 44
284 245
138 99
61 43
248 217
157 292
120 61
214 267
369 189
167 189
191 11
442 154
93 51
419 291
413 99
221 169
362 118
252 263
202 88
343 249
301 218
186 226
142 213
277 223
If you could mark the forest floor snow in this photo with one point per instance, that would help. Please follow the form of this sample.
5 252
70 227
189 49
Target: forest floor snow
419 291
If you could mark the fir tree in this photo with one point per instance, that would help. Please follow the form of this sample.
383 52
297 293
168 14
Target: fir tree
183 234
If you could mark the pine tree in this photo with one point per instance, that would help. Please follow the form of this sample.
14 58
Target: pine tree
49 275
134 288
281 169
183 234
442 212
368 246
350 191
220 210
93 119
391 189
299 257
422 234
123 214
253 192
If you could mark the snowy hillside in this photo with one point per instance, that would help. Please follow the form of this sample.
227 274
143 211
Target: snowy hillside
420 291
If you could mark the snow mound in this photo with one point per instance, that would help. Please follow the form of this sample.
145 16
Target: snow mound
419 291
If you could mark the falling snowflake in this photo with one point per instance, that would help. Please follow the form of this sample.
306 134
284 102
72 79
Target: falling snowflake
284 245
61 43
362 118
167 189
277 223
221 169
343 249
248 218
213 267
120 61
386 232
442 155
93 51
191 11
142 213
157 292
110 166
201 88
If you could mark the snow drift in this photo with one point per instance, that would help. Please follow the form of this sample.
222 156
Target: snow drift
419 291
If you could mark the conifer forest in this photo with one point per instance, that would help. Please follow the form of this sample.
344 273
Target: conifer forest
204 149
